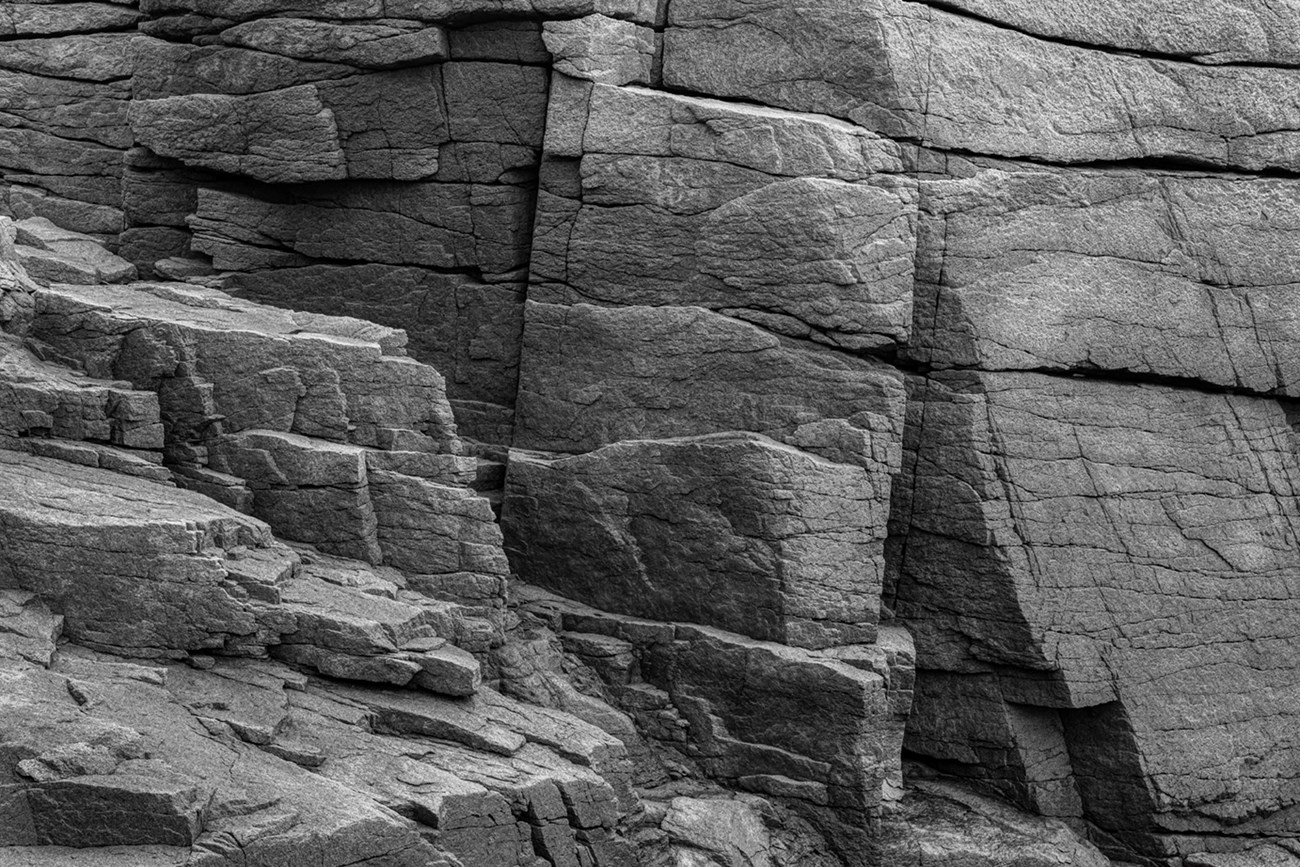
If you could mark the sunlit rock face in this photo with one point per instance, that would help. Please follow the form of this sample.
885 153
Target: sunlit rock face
613 432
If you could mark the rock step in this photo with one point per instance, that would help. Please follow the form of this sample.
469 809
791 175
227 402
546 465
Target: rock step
315 424
146 571
345 500
681 682
51 254
41 399
190 758
225 366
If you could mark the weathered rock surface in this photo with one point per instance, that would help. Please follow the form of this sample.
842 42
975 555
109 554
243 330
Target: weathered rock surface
64 97
1099 548
1171 275
466 329
738 532
247 761
687 685
439 225
1215 32
794 222
250 763
917 72
944 824
255 367
662 267
594 376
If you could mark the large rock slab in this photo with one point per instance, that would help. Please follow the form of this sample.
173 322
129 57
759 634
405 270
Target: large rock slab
1174 275
285 136
65 107
381 45
323 101
596 375
449 11
442 225
1121 553
788 220
943 824
920 73
734 531
1220 31
37 19
131 565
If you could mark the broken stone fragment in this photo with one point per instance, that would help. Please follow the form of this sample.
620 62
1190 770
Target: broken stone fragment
50 254
285 136
448 670
836 773
593 376
600 49
45 400
468 330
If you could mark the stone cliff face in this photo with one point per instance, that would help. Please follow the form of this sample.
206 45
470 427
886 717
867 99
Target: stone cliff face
618 432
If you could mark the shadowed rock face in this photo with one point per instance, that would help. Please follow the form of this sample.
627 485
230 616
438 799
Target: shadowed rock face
616 432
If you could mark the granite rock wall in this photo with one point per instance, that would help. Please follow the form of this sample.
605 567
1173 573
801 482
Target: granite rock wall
683 433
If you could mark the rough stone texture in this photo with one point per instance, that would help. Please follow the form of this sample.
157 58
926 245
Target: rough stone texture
728 831
594 376
378 46
449 226
46 400
64 96
917 72
378 137
1178 275
1101 548
50 254
689 685
249 762
129 564
942 824
738 532
789 221
1223 31
1074 225
468 330
603 50
286 136
243 366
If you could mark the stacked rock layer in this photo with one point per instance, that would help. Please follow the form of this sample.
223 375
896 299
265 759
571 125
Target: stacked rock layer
585 432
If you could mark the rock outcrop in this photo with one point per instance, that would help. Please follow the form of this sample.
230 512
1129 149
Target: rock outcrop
613 432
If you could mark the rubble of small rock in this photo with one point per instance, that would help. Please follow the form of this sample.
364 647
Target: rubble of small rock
649 433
